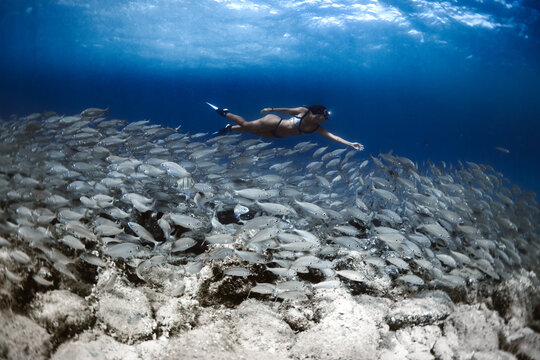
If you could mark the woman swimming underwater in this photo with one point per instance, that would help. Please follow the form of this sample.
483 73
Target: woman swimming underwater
305 120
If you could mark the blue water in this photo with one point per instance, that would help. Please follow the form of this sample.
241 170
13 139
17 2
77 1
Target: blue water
439 81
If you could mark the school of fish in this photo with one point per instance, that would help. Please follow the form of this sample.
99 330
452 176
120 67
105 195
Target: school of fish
88 191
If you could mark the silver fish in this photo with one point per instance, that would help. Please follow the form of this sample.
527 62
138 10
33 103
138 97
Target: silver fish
411 279
186 221
142 232
219 239
124 250
352 275
313 210
20 257
183 244
237 271
95 112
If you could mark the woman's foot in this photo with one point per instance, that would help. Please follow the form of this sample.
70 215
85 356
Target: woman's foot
223 131
222 112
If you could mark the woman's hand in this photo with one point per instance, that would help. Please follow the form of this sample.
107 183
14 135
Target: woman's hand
266 110
357 146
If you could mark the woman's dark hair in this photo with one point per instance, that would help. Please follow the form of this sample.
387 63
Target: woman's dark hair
319 110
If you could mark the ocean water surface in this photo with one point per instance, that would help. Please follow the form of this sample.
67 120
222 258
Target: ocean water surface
430 80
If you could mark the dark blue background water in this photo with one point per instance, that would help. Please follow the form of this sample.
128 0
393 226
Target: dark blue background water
430 80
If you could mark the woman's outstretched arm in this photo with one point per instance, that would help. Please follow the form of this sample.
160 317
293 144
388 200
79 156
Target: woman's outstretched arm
290 111
331 136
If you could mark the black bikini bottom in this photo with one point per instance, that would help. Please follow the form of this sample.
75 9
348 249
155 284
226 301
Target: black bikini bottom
274 132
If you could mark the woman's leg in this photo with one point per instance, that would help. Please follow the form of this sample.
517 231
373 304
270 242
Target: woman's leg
261 127
266 134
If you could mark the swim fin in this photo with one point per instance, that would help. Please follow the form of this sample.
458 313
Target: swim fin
221 112
223 131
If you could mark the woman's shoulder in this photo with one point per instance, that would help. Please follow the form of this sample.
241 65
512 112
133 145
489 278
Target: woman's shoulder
320 129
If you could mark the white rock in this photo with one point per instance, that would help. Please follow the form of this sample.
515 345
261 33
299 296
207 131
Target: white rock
61 312
176 314
127 314
90 346
467 321
21 338
419 339
348 330
425 310
258 328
